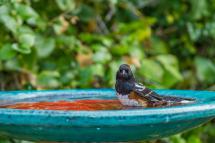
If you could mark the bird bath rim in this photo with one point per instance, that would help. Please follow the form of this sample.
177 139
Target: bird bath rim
166 114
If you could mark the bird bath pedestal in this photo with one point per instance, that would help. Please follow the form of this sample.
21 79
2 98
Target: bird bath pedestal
96 126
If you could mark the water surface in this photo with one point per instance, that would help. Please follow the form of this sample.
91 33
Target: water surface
75 105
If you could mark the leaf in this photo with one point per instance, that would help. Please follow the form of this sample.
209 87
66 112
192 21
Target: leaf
119 50
85 13
61 25
107 41
171 73
29 61
199 9
151 70
25 11
12 64
20 48
4 10
67 5
102 56
209 29
44 46
86 77
194 139
142 34
142 24
177 139
194 32
68 41
1 66
9 22
6 52
205 69
27 40
98 70
170 63
4 140
22 30
158 47
68 77
48 79
170 18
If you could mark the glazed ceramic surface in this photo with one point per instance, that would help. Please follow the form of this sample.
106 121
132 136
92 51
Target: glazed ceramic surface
112 125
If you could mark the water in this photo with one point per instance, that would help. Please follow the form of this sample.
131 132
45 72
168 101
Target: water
76 105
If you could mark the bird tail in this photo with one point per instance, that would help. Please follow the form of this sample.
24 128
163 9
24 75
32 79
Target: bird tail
182 100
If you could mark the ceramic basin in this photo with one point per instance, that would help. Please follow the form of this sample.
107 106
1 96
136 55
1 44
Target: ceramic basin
97 126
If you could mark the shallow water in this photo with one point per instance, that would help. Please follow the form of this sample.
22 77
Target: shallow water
75 105
89 105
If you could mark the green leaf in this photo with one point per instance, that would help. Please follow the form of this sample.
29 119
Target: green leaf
151 70
27 40
171 73
205 69
25 11
12 64
48 79
66 4
6 52
194 139
1 65
67 77
4 10
44 46
29 61
199 9
119 50
9 22
194 32
57 28
102 56
98 70
158 47
22 30
4 140
20 48
86 77
177 139
209 29
137 52
86 13
170 63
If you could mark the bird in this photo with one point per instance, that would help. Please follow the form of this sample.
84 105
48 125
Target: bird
132 93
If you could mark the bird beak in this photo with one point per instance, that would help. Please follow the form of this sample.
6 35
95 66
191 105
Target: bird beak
123 72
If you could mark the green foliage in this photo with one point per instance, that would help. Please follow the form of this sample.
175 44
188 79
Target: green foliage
80 44
205 70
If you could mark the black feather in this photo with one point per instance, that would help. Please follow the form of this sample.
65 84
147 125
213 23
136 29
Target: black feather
126 83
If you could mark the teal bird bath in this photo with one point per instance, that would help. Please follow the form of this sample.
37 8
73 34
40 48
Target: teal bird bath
96 126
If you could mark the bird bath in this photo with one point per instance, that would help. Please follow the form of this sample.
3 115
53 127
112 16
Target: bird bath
102 125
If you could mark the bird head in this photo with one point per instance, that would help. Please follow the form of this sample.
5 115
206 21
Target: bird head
124 73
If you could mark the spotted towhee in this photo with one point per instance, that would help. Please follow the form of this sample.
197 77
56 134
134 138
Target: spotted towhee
131 93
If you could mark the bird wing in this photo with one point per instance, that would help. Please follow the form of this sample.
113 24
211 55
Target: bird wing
152 96
147 93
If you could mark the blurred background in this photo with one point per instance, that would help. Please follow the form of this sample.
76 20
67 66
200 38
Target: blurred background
58 44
